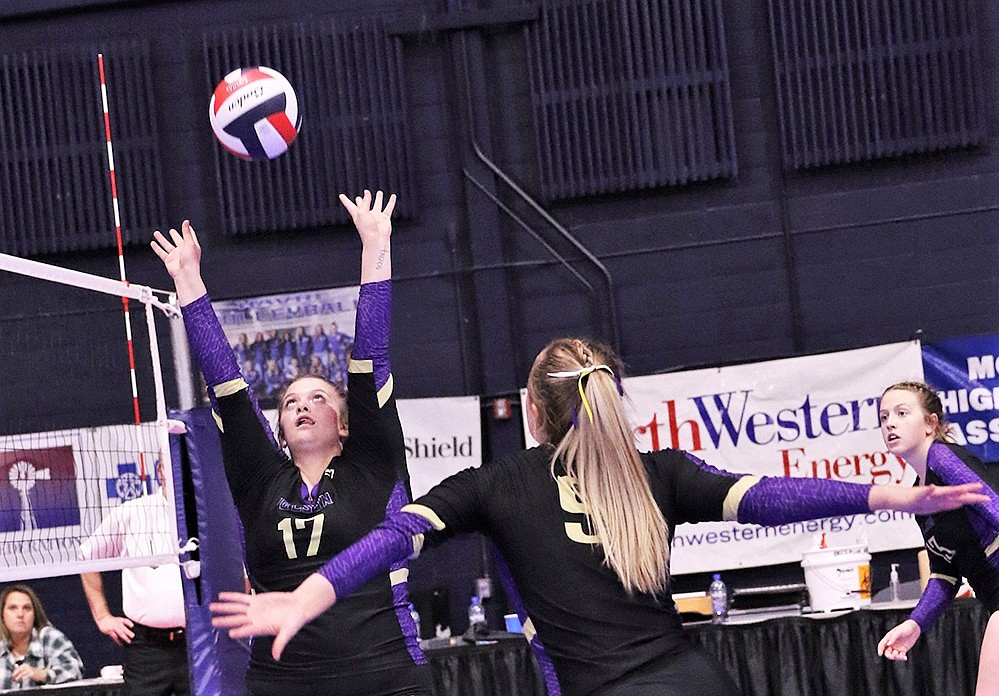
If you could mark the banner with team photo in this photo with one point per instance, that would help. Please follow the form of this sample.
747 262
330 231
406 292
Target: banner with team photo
814 416
964 372
56 488
443 436
277 338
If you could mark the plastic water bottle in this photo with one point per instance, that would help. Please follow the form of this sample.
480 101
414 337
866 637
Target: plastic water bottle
893 582
719 599
476 614
416 618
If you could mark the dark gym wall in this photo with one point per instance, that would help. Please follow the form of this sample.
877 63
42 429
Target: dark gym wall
764 264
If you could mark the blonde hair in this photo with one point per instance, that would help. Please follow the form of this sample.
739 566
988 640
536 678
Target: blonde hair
931 403
582 416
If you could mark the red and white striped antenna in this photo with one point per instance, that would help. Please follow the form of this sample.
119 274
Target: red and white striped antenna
121 259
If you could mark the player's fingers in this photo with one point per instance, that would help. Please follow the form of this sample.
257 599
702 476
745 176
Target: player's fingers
237 597
242 632
348 204
159 251
378 201
231 621
187 231
161 239
280 641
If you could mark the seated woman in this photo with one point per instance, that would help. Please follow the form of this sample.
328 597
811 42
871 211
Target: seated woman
32 651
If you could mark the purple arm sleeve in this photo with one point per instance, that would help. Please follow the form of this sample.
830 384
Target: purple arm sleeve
935 598
388 543
214 354
776 500
949 467
211 347
371 328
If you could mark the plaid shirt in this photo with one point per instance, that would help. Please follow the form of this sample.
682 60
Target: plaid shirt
49 648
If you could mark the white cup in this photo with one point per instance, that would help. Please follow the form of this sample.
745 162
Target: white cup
112 672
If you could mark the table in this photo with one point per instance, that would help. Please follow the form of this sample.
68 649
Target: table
504 667
817 655
837 655
80 687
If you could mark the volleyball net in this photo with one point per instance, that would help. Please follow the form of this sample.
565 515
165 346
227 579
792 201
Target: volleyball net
85 473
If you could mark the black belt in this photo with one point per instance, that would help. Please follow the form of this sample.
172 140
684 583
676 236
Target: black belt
160 635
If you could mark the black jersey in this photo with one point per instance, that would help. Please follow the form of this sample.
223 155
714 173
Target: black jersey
594 632
964 542
291 531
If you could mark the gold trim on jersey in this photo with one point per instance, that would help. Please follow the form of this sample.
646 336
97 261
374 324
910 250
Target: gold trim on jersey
385 392
229 387
399 576
992 548
425 512
365 367
945 578
529 631
730 506
218 421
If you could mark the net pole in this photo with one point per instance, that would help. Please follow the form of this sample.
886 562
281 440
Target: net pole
162 432
121 261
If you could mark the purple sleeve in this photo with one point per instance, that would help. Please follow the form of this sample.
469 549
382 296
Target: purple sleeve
777 500
214 354
388 543
371 328
211 347
952 471
935 598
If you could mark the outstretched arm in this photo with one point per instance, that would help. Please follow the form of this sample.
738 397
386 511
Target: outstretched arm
374 420
777 500
181 255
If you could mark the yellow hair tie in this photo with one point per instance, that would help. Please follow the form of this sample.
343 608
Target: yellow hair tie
580 374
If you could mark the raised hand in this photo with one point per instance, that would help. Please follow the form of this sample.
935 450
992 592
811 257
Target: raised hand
899 640
374 225
372 220
181 255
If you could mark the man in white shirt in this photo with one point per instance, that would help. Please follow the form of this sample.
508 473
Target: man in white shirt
152 628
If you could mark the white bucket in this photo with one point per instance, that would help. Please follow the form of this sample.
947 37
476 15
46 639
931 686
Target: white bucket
838 578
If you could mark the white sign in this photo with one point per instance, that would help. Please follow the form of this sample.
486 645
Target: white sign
443 436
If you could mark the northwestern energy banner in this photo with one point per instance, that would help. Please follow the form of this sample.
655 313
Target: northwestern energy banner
964 371
814 416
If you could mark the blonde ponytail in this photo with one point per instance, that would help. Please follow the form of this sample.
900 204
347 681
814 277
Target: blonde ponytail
576 384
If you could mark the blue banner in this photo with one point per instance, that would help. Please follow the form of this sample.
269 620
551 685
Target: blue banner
964 371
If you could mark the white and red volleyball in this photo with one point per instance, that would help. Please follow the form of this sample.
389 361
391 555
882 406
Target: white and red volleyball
254 113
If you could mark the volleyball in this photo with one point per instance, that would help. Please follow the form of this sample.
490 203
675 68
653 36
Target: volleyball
254 113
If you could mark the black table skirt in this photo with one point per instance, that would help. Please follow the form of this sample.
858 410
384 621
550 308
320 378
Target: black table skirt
503 668
787 656
799 656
